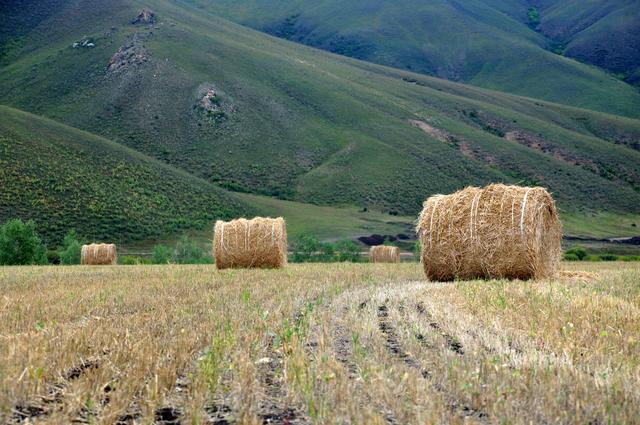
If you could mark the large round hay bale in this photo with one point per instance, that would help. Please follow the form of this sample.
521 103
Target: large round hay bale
494 232
384 254
98 254
260 242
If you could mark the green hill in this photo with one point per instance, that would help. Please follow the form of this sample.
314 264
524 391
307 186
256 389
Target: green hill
64 179
603 33
507 45
248 112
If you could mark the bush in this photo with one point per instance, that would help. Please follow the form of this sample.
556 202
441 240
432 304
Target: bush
347 250
533 16
161 254
417 251
20 244
327 252
629 258
71 249
53 257
188 252
571 257
306 248
130 260
578 252
309 249
608 257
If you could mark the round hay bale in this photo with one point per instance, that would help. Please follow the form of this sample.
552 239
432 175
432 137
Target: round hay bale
384 254
494 232
260 242
99 254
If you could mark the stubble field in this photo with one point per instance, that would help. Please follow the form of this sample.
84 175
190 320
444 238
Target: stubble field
339 343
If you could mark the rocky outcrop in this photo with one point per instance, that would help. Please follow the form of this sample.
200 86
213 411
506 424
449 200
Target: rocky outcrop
84 42
146 16
212 104
210 100
126 56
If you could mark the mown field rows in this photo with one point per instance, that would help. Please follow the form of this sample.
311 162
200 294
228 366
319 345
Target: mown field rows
345 343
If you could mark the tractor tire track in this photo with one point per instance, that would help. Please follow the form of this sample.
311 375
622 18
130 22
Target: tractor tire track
44 405
452 343
342 345
272 405
171 413
395 348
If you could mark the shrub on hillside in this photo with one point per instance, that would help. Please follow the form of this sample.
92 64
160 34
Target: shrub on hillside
327 252
161 254
189 252
53 257
306 248
629 258
71 249
20 244
608 257
577 251
130 260
571 257
347 250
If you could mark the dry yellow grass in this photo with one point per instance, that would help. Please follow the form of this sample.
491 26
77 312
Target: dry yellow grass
339 343
384 254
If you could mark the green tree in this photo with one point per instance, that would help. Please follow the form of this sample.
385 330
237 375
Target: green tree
161 254
533 16
71 249
20 244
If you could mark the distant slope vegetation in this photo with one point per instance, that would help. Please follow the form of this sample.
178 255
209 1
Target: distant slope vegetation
253 113
603 32
495 44
64 179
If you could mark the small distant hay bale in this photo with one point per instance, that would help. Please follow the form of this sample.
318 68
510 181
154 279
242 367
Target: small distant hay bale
260 242
384 254
498 231
98 254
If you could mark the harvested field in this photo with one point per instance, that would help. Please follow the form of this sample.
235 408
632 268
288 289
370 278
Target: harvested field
317 343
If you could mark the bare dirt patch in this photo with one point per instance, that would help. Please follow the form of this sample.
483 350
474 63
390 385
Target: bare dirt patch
436 133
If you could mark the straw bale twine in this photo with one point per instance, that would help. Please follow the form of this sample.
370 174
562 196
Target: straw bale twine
384 254
494 232
260 242
98 254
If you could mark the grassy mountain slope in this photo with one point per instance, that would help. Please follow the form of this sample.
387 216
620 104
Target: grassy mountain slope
487 43
603 33
303 124
64 178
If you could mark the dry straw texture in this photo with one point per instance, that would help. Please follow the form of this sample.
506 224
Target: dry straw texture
98 254
260 242
494 232
384 254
